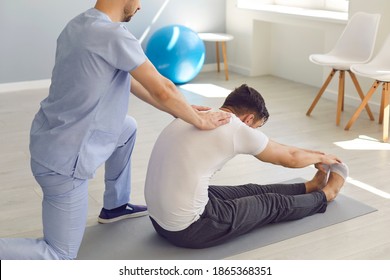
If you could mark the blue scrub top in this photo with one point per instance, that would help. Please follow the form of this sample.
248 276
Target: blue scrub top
77 126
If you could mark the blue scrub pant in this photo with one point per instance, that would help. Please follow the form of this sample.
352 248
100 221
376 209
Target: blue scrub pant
65 204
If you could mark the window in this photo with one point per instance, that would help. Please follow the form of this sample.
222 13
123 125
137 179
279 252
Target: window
333 5
337 5
333 10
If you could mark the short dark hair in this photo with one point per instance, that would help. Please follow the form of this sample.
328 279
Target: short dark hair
246 100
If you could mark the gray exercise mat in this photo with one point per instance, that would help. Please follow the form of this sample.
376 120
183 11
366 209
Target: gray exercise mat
135 239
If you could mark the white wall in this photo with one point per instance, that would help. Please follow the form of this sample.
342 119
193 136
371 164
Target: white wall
28 33
276 44
29 29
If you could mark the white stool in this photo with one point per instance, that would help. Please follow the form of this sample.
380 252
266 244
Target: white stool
218 37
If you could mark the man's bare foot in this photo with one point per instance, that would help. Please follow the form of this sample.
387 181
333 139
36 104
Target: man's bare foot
333 187
318 182
337 176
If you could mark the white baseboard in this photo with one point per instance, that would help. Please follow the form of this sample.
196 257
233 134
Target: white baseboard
26 85
240 70
210 67
234 68
39 84
42 84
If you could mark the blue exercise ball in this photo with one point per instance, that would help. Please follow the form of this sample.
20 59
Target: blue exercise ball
177 52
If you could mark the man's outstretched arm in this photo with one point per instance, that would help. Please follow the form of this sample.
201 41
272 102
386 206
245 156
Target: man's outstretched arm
293 157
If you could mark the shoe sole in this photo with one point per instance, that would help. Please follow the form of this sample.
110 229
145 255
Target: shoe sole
128 216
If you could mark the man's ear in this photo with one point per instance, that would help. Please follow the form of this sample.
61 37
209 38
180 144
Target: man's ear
248 119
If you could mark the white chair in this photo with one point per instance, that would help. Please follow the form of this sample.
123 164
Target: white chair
355 45
379 70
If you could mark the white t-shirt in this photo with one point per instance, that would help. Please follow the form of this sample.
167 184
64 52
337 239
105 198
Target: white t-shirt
183 161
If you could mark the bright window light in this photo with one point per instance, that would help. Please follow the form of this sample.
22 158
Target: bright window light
156 17
206 90
174 38
368 188
364 143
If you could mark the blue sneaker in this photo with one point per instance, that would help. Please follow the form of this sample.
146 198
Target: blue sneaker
122 212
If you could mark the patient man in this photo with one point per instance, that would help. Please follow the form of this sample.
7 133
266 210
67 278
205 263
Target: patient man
189 212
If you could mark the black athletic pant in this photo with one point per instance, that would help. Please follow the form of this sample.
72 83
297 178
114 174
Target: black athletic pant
235 210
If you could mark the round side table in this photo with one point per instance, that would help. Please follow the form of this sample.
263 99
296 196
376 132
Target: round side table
218 38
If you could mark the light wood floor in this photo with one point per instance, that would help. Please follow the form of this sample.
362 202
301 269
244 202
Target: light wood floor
366 237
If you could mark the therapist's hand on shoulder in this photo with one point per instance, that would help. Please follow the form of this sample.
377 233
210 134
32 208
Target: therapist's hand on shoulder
211 120
201 108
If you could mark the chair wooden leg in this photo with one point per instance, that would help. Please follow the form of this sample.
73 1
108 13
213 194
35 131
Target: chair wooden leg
322 90
382 108
217 54
340 98
362 105
360 92
224 55
386 100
